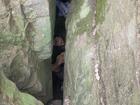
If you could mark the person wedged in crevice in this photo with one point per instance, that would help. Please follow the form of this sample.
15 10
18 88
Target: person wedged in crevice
62 8
58 67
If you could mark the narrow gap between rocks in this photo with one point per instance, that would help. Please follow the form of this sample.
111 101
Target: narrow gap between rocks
59 40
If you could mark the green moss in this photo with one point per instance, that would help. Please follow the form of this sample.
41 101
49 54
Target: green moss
81 18
85 25
100 10
74 15
17 67
19 22
10 91
25 99
10 39
135 97
97 36
6 87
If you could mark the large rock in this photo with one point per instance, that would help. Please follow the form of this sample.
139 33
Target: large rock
102 53
10 95
26 28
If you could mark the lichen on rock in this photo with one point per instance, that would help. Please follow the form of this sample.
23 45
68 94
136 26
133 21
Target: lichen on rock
10 95
102 53
26 30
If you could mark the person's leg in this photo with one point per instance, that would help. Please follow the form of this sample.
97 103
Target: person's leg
54 85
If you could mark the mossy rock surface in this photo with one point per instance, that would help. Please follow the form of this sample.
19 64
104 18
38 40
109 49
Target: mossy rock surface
10 95
26 29
102 53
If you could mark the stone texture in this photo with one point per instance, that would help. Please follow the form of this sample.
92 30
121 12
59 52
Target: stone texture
26 28
102 53
10 95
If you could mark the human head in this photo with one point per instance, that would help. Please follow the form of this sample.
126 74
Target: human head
59 40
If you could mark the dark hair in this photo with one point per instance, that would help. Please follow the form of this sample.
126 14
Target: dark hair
65 1
63 36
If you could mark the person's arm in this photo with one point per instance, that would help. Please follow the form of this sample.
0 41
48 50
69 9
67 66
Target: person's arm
55 67
59 61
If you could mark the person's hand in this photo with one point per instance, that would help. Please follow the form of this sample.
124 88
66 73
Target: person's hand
60 59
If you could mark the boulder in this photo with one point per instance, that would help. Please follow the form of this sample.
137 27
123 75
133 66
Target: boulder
26 28
102 53
10 95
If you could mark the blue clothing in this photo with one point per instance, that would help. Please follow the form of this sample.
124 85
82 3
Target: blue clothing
63 8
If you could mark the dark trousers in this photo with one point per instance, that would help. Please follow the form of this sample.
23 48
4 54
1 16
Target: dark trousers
57 86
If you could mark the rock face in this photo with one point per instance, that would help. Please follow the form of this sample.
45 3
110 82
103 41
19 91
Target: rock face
102 53
10 95
26 28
